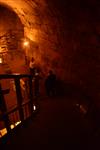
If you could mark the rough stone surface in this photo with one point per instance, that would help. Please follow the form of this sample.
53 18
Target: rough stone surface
65 36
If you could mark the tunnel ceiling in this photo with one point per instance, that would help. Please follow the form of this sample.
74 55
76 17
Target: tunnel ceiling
28 12
64 35
39 21
11 30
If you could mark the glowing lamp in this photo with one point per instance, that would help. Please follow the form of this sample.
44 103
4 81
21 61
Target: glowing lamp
11 126
26 43
34 107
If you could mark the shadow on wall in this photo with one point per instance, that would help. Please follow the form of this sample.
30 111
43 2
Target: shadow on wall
64 88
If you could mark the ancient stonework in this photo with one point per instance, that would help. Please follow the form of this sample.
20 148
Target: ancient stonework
64 36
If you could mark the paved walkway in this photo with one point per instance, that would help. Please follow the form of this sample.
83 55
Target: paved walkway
59 124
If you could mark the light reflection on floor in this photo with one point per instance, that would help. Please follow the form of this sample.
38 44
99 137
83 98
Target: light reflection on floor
4 130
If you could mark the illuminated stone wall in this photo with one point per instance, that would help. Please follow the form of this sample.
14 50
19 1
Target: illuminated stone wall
11 30
39 22
63 36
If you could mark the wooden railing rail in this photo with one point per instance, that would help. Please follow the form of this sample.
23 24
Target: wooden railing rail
4 116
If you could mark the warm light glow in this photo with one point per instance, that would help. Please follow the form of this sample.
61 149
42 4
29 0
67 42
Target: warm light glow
4 130
34 107
12 126
26 43
17 123
0 60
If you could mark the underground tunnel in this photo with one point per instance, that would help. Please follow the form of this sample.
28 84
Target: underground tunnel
62 35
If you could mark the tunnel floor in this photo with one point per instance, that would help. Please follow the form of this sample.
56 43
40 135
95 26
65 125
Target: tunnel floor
58 124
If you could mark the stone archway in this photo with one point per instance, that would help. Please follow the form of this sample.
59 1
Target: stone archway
11 35
40 22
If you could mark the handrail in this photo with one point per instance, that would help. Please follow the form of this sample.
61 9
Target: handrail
20 105
13 110
14 75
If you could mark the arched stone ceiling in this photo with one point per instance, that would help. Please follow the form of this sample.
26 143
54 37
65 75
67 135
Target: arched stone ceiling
29 13
11 30
39 26
67 34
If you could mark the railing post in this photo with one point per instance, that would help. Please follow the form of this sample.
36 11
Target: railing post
31 94
19 98
4 110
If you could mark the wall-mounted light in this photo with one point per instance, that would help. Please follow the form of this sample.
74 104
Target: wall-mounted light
26 43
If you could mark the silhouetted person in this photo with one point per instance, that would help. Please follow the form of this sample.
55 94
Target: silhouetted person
50 84
32 66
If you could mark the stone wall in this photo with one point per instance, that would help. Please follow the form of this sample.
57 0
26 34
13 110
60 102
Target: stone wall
63 36
39 28
11 30
80 39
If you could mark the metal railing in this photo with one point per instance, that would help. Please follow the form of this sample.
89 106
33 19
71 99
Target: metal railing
23 109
